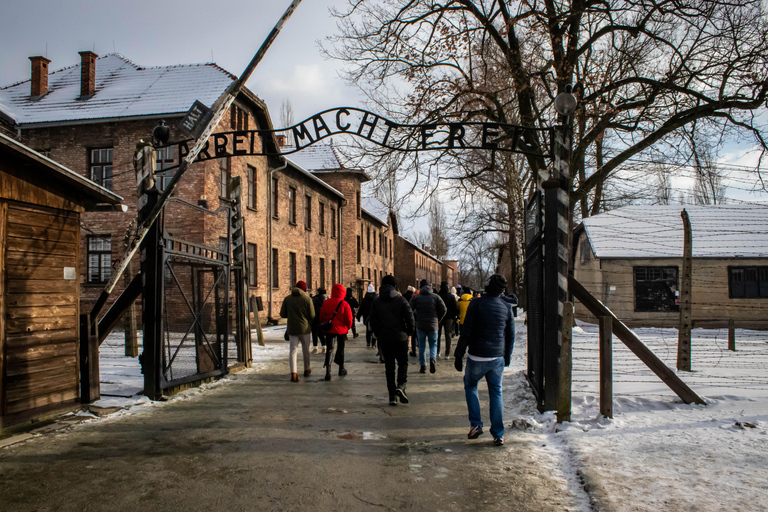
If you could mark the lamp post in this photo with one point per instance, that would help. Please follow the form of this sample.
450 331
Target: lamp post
557 197
557 247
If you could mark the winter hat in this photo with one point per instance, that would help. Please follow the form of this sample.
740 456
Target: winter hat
496 284
389 281
424 283
371 289
302 285
321 291
453 290
410 289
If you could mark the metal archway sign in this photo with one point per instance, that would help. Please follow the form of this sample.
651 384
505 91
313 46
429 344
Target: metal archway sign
369 126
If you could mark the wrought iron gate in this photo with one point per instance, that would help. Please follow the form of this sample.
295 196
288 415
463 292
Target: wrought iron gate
195 288
534 283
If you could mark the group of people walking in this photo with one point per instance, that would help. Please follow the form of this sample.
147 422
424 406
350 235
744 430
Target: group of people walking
485 326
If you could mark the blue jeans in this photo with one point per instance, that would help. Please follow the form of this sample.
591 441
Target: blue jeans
492 371
422 337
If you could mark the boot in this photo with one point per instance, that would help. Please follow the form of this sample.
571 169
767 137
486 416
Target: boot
307 372
327 365
294 377
342 371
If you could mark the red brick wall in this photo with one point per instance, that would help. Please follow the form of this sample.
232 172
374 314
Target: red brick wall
70 145
296 238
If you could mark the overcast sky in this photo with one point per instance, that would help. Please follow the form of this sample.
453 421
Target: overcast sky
161 33
228 32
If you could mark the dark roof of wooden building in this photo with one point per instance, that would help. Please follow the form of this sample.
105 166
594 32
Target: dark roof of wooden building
40 170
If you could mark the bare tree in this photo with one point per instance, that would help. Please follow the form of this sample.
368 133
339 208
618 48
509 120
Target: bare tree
643 70
708 187
663 176
287 118
438 229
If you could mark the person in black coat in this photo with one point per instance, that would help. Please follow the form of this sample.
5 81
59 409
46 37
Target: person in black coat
489 334
446 324
317 333
353 305
391 319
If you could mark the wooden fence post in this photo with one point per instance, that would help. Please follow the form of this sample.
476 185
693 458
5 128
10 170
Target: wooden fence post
731 335
606 366
130 322
684 328
566 362
90 388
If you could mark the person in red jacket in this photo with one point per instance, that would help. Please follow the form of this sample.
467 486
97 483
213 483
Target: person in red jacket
336 310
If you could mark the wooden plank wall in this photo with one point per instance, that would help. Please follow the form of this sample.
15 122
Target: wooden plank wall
41 308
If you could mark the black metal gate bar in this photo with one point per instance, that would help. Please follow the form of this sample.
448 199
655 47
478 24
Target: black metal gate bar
534 282
198 305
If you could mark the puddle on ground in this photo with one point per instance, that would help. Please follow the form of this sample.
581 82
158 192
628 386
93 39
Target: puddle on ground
365 436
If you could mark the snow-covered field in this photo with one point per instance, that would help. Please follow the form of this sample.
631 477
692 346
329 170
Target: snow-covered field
655 454
658 453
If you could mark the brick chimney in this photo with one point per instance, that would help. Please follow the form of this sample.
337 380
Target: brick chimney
39 76
87 74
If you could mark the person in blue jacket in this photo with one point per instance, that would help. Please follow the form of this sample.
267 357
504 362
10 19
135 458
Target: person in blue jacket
489 334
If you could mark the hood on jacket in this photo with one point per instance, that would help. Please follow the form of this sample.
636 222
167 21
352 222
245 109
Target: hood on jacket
426 289
349 291
467 297
387 292
453 290
444 287
337 291
297 291
371 289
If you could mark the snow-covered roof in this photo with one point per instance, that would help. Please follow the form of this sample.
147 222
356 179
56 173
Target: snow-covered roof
317 157
123 89
375 209
644 231
312 177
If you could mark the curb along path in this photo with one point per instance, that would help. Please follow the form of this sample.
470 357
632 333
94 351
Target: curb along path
262 442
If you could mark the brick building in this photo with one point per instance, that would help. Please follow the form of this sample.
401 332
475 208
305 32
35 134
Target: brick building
90 117
414 263
450 272
366 230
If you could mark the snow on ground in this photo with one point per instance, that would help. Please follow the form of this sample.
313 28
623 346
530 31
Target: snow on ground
655 454
658 453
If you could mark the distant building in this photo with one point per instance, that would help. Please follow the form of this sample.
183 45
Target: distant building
368 234
414 263
631 259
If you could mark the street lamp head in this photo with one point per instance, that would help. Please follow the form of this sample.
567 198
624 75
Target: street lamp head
565 102
161 134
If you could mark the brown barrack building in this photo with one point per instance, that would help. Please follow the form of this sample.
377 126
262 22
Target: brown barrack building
631 260
41 205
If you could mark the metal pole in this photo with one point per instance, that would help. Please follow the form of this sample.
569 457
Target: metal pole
219 107
684 327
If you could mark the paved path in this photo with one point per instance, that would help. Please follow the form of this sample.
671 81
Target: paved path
261 442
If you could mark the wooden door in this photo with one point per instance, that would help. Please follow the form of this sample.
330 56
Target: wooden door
40 363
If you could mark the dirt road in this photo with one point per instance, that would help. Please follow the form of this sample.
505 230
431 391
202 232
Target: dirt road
261 442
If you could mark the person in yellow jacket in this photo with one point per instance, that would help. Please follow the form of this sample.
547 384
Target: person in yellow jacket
463 304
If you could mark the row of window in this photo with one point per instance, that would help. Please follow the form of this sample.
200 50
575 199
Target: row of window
656 288
99 268
374 276
382 244
293 275
308 210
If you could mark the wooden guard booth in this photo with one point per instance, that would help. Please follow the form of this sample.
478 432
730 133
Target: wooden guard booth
40 206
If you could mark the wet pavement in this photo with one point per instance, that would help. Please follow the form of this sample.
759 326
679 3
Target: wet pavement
261 442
